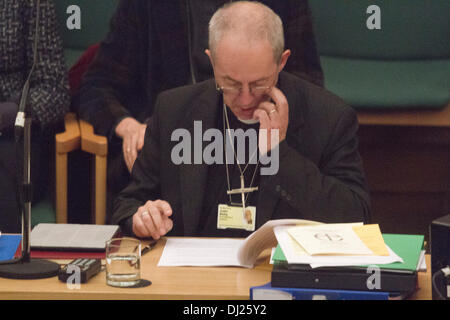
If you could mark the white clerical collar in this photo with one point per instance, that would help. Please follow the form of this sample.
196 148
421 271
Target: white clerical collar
249 121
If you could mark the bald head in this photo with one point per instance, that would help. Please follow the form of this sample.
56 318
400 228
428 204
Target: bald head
247 22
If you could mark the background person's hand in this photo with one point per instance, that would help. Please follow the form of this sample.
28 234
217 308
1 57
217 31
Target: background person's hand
152 219
132 133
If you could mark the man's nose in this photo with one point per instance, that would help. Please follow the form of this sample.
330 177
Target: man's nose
245 96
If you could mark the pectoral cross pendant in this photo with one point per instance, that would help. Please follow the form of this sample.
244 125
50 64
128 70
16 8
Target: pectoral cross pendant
242 190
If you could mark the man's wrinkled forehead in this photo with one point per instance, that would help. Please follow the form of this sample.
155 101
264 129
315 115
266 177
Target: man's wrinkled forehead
233 47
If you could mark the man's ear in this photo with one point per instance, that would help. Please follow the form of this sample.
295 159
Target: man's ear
284 59
209 54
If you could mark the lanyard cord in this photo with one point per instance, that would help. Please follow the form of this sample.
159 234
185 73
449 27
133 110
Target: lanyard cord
225 118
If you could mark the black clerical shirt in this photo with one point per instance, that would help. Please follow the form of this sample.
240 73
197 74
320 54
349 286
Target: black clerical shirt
217 186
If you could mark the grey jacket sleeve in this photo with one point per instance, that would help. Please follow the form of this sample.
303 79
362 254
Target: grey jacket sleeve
49 90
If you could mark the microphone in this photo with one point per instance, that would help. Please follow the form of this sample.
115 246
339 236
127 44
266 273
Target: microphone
22 112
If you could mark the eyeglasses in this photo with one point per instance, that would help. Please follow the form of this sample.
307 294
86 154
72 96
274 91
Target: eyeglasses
235 91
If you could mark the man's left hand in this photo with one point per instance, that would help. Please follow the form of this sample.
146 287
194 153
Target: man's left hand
272 115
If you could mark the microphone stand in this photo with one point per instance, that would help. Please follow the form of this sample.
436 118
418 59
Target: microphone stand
25 267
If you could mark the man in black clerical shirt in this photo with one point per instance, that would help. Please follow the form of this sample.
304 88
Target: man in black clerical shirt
307 133
153 46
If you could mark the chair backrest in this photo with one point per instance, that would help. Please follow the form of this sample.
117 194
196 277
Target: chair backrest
410 29
95 22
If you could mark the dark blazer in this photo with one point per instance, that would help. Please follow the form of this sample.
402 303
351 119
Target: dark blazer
320 173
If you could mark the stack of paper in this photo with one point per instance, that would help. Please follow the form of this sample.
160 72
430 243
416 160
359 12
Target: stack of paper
224 252
329 245
359 245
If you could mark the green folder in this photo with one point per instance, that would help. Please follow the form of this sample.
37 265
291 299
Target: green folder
407 246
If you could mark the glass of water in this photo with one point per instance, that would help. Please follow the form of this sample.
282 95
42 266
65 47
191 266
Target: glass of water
123 262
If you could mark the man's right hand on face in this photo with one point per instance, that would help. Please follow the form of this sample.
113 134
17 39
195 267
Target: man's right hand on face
132 133
152 219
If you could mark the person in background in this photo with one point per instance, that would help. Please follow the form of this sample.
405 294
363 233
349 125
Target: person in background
48 99
158 45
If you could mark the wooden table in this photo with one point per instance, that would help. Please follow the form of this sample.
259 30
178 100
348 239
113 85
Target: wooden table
167 283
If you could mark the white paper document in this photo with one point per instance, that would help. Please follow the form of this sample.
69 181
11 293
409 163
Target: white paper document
201 252
224 252
331 239
295 254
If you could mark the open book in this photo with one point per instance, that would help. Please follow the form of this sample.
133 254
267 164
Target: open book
224 252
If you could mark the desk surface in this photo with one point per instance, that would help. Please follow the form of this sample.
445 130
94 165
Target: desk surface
167 283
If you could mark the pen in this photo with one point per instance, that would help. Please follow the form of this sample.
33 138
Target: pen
148 247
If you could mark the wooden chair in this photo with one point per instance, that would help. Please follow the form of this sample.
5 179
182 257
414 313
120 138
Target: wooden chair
97 146
47 210
65 142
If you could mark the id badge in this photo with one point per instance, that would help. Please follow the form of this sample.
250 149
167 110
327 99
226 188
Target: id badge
232 217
